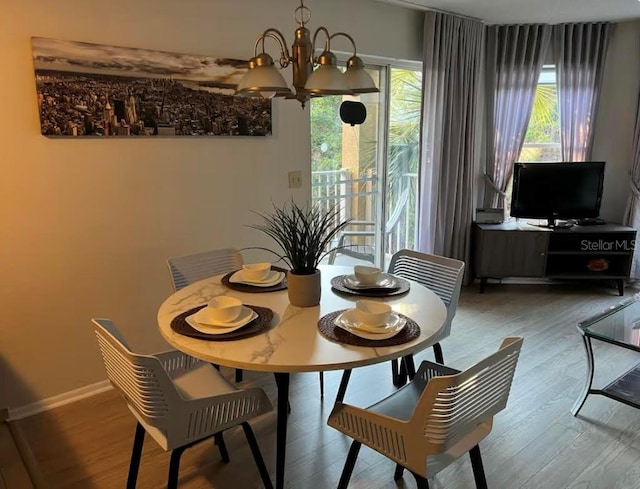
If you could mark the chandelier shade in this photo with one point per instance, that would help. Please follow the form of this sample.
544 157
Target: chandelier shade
358 80
327 79
262 76
264 79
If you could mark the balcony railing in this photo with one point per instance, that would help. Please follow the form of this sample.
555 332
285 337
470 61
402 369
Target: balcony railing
356 200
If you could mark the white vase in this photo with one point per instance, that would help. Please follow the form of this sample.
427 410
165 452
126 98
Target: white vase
304 290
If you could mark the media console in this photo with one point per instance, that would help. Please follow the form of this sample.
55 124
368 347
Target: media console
517 249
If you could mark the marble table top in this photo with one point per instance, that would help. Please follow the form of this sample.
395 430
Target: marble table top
293 342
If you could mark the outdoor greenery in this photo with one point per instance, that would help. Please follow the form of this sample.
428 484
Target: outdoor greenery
326 133
544 126
404 124
404 144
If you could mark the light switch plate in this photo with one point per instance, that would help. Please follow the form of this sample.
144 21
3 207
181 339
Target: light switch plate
295 179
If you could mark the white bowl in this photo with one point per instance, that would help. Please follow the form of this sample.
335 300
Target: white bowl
367 275
372 313
256 272
223 309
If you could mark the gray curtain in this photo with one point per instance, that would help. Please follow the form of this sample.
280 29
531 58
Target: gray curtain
451 74
580 52
632 214
515 55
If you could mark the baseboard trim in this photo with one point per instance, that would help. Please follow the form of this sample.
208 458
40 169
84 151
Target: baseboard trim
59 400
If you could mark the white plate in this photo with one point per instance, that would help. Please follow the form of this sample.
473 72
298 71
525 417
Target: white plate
208 329
385 281
246 315
274 278
349 322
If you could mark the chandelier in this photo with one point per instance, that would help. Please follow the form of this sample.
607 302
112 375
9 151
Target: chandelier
263 79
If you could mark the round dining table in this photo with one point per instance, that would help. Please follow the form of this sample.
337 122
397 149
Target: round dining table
293 343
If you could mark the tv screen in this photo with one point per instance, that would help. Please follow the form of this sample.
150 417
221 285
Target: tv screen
557 190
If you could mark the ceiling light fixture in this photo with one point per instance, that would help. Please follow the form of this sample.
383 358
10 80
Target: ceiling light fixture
263 79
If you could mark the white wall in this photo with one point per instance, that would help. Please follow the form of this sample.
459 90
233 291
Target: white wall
616 116
88 224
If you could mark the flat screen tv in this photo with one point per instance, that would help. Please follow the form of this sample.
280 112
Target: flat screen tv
557 190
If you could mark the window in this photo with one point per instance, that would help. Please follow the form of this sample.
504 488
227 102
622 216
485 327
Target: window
542 141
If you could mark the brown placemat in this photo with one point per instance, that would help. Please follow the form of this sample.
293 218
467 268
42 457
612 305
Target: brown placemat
252 288
259 324
328 329
338 283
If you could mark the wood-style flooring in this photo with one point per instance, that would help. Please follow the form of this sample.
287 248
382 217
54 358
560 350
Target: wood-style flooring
536 443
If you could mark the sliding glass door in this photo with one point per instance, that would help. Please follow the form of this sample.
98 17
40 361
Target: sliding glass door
370 171
402 161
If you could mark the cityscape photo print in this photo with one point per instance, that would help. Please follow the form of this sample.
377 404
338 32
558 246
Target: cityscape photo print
97 90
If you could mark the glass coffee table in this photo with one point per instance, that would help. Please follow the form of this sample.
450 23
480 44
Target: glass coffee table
620 326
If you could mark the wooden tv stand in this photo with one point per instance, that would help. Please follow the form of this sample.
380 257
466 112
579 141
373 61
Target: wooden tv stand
519 249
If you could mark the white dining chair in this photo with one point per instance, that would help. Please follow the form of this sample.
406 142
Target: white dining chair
441 275
178 400
435 419
187 269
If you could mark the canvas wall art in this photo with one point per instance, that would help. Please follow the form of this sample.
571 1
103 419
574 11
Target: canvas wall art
94 90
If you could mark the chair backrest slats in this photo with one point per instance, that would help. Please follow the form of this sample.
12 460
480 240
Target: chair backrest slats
188 269
450 406
140 379
440 274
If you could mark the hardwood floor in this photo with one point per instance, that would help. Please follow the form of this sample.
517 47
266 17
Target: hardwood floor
536 443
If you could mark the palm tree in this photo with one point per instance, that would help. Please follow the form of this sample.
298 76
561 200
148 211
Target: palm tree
404 124
544 123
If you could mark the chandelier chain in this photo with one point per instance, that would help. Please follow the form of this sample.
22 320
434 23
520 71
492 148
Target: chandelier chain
304 14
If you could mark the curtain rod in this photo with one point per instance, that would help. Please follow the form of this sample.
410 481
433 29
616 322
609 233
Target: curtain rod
440 11
424 8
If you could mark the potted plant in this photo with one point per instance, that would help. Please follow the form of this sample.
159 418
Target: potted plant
304 235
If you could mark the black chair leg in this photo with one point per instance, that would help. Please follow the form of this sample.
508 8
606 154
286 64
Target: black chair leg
238 375
395 373
222 446
397 475
403 370
409 366
344 382
257 455
174 467
349 465
437 352
136 454
421 482
321 385
478 468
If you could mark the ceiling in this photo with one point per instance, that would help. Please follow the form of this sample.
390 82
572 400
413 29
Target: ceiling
532 11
